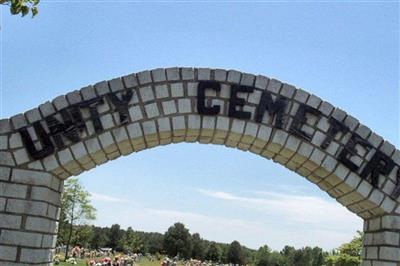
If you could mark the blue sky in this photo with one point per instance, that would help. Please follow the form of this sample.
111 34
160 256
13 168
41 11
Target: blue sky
346 53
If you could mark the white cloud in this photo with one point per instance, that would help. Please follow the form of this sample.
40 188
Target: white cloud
105 198
308 210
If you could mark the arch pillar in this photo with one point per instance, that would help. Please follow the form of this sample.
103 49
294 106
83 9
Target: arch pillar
29 213
381 242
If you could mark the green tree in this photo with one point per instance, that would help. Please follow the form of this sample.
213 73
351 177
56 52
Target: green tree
131 242
152 242
82 236
115 236
263 256
198 247
213 252
235 253
99 237
21 6
75 210
348 254
288 253
177 241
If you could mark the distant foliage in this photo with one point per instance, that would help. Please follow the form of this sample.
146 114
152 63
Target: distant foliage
131 241
177 241
22 7
235 254
348 254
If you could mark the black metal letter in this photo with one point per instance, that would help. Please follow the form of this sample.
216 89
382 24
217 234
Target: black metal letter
94 115
201 88
70 128
396 191
300 119
121 105
44 138
349 150
235 101
335 127
379 164
267 104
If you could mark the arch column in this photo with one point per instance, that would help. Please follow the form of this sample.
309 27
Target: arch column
29 213
381 242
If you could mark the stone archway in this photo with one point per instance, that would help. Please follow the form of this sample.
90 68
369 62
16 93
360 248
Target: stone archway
76 132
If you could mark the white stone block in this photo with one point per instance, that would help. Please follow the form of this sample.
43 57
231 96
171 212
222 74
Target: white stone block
144 77
130 80
184 106
8 253
172 73
287 90
159 75
178 123
6 158
88 93
176 89
238 126
27 207
47 195
169 107
376 197
162 91
116 84
107 121
134 130
102 88
274 86
192 88
149 127
19 121
204 74
264 133
40 224
391 222
389 253
339 114
301 96
3 142
12 190
10 221
50 163
21 156
220 75
247 79
36 255
146 93
20 238
187 73
261 82
33 115
135 113
234 76
107 142
60 102
151 110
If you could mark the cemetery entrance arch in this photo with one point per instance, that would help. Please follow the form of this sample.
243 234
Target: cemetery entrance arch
88 127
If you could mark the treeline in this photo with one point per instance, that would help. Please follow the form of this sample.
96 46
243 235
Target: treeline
177 241
76 211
